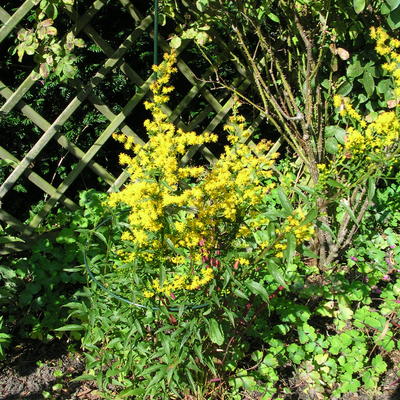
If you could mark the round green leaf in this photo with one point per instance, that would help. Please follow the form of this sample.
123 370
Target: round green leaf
384 86
393 4
358 6
331 145
176 42
333 130
355 69
340 135
345 88
393 19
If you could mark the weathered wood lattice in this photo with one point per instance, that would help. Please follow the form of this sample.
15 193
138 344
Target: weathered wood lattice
217 103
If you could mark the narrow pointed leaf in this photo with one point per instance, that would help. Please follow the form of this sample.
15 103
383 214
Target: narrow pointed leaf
277 273
284 201
215 333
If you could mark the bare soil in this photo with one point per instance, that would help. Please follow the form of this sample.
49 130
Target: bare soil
29 370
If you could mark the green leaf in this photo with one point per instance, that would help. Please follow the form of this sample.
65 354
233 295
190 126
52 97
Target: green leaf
175 42
100 236
67 235
70 328
393 19
385 9
310 217
393 4
358 6
215 333
345 310
239 293
340 136
284 201
156 378
270 361
276 272
201 5
326 228
354 70
307 189
345 88
336 184
258 289
131 392
202 38
163 274
290 248
79 43
331 145
303 337
368 83
384 86
309 253
349 211
378 364
330 130
320 359
371 188
273 17
374 323
335 131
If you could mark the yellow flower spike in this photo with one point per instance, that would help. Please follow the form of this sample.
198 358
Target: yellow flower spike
337 100
155 191
147 294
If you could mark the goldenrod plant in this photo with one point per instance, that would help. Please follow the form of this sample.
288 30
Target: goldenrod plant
367 150
200 259
296 55
188 220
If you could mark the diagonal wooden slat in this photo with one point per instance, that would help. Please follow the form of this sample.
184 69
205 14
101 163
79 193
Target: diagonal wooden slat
29 81
71 108
112 127
38 120
217 105
24 230
12 21
38 180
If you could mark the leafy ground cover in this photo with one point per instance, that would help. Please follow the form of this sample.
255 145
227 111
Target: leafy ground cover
262 276
362 304
256 333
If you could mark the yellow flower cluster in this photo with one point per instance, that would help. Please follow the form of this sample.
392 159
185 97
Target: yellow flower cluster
235 181
387 46
365 139
155 171
177 206
347 109
378 136
237 130
295 224
180 282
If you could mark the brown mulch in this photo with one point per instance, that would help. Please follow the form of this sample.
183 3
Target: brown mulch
29 370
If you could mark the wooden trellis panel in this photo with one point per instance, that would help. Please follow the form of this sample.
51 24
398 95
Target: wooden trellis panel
15 100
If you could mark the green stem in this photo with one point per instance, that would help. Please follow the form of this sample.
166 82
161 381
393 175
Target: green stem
155 38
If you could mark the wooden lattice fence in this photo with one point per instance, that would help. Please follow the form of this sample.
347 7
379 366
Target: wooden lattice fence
15 99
